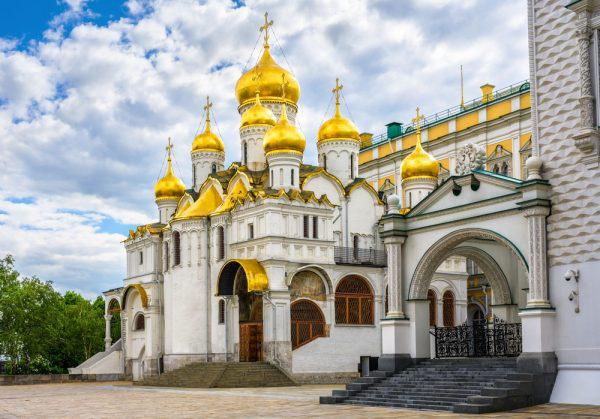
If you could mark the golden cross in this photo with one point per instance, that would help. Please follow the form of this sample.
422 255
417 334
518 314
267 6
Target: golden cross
169 147
207 108
336 90
417 121
283 84
256 78
265 28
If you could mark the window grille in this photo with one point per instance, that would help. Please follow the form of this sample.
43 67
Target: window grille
308 322
448 308
432 307
221 311
176 249
353 301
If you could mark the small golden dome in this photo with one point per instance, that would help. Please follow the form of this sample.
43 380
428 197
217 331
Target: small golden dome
270 82
170 186
208 140
284 137
419 163
258 115
338 128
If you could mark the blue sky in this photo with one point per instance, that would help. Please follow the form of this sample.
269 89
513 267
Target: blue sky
91 89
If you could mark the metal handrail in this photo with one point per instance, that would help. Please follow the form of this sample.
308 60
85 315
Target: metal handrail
359 256
455 110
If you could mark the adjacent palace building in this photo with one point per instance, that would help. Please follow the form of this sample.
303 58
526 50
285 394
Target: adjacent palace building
469 234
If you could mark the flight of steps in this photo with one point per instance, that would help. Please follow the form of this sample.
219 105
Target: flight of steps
222 374
475 385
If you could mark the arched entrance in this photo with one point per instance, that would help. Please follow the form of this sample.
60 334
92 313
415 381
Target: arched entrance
506 272
246 280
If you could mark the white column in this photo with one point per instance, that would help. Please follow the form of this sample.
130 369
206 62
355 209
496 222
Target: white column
393 246
107 338
538 269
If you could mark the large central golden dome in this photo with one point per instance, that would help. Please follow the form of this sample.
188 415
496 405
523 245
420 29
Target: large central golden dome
269 76
284 137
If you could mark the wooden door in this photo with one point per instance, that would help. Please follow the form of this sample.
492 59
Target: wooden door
251 334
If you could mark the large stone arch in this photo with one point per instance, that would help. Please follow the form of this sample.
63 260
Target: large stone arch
318 270
449 245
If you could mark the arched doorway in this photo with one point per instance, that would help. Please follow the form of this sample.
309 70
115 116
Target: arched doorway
247 280
114 311
496 257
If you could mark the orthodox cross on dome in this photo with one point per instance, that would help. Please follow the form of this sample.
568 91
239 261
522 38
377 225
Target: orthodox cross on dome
169 147
265 28
417 121
207 110
337 90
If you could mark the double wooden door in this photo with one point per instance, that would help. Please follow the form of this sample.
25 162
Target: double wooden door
251 336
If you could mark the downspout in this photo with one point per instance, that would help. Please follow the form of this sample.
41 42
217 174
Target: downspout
208 287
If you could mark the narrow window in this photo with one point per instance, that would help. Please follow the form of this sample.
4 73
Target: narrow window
409 200
281 176
325 161
250 231
271 178
351 166
176 249
292 177
194 175
245 158
221 242
221 311
315 227
432 307
355 243
448 308
141 258
166 256
306 226
213 168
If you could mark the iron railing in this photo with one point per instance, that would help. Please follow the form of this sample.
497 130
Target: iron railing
359 256
522 86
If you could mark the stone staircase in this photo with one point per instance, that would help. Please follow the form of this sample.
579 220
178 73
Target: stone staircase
223 375
472 385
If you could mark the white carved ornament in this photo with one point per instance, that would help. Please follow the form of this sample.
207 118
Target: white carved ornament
469 158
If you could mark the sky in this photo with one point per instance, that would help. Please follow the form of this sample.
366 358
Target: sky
90 90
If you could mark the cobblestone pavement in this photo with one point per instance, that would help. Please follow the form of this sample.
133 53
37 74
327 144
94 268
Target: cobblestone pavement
109 400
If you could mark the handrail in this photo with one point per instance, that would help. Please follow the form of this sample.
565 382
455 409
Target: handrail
455 110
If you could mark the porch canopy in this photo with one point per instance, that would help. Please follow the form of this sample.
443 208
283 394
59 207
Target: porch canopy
256 277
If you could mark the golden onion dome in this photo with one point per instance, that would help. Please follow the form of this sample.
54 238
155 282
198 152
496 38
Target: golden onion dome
284 137
270 74
258 114
170 186
338 127
208 140
419 163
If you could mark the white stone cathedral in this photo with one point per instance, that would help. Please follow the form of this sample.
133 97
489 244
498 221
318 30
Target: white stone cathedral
307 268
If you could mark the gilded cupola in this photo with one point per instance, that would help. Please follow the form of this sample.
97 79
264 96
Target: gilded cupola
338 127
419 163
284 137
208 140
270 78
169 187
258 114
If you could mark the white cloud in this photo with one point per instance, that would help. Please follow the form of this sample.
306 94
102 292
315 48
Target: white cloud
84 116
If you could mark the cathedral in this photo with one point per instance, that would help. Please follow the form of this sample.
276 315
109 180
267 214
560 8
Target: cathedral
444 238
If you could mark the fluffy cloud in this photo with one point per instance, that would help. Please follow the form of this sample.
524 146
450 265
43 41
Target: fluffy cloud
84 115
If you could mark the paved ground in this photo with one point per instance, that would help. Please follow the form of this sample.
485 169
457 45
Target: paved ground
110 400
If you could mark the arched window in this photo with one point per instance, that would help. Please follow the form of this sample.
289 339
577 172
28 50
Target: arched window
167 256
353 301
292 177
139 322
176 249
432 307
496 169
213 168
325 161
245 151
221 311
221 243
352 166
308 322
448 308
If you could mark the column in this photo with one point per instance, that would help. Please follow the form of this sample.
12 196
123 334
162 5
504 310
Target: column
586 99
393 246
538 269
107 338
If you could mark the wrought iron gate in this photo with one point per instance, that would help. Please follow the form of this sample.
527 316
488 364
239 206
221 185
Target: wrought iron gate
480 339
